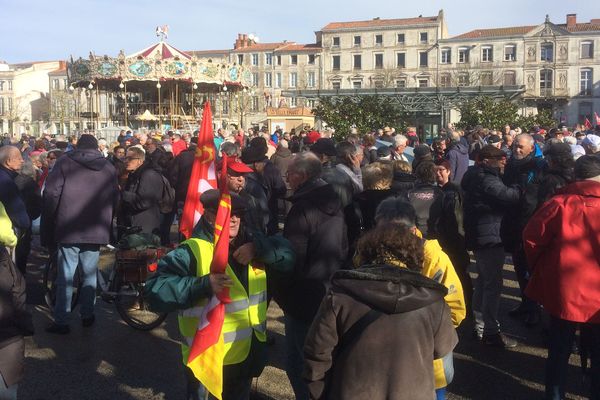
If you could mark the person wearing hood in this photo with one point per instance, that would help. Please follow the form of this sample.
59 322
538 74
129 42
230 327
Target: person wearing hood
458 156
524 167
140 197
316 229
349 350
78 204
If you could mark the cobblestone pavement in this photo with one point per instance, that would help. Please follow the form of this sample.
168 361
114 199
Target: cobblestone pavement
115 362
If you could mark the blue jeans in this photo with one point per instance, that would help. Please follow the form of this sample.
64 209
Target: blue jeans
69 256
295 335
562 334
8 392
488 287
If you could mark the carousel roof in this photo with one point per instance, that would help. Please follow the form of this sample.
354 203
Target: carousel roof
161 51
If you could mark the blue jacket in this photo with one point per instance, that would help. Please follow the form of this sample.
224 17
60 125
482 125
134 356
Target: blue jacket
13 203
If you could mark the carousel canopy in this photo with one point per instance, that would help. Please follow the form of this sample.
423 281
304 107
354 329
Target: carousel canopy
147 116
159 62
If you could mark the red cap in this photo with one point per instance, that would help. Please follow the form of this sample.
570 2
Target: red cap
236 165
312 137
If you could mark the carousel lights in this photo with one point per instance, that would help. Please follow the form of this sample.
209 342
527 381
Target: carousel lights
224 88
71 88
121 85
90 86
158 85
195 86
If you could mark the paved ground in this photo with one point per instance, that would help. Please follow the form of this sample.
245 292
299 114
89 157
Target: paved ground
113 361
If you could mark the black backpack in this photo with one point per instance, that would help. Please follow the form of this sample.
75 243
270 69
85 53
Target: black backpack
167 198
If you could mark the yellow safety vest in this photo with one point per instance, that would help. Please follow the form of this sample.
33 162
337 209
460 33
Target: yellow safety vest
245 316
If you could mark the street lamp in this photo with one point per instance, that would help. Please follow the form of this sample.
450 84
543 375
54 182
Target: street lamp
158 86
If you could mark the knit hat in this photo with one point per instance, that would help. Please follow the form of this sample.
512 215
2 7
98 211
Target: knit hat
421 151
87 142
557 149
324 146
587 167
253 154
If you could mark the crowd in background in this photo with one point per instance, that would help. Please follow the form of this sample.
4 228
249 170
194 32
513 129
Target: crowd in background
379 222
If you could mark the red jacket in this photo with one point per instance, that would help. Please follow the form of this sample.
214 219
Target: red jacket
562 243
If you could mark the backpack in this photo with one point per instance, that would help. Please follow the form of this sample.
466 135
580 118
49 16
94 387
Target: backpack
167 198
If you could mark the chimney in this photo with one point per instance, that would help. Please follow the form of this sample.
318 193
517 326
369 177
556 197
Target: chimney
571 20
238 41
245 40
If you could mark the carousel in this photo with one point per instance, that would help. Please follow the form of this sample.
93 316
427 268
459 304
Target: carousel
159 87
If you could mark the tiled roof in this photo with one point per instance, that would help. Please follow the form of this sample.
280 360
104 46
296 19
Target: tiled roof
259 47
522 30
300 47
497 32
374 23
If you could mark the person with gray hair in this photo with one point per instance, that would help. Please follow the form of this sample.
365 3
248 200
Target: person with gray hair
316 229
349 158
11 161
457 155
400 144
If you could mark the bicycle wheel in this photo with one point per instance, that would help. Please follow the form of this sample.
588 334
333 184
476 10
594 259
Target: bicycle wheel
134 309
50 275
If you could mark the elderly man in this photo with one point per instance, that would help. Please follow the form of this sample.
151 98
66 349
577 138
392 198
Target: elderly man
11 161
591 144
316 229
400 143
458 155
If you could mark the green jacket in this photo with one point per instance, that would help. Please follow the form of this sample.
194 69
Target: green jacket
175 285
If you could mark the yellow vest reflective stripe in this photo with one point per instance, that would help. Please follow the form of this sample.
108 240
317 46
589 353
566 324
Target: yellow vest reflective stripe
244 316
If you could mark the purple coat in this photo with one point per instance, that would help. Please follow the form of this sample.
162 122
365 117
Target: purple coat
79 199
458 157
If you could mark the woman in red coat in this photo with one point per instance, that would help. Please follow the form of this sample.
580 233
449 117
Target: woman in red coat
562 243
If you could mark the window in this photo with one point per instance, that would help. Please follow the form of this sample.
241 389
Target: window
311 59
487 78
422 59
55 84
240 59
255 78
336 63
336 85
10 104
400 38
487 54
356 84
293 79
545 80
336 41
378 61
446 56
510 53
445 80
254 106
401 83
356 41
463 55
423 82
1 86
401 60
255 59
357 61
225 106
587 49
1 106
268 59
278 60
293 101
463 79
585 82
278 80
294 59
268 79
310 79
510 78
65 84
378 40
423 37
547 52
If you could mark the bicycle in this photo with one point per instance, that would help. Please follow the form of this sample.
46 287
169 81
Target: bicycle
124 287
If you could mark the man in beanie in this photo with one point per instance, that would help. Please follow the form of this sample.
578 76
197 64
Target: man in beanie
79 199
184 283
562 244
486 200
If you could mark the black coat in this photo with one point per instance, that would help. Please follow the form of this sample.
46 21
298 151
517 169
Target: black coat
160 160
15 320
486 200
402 183
12 200
180 172
427 201
276 189
139 206
79 199
316 229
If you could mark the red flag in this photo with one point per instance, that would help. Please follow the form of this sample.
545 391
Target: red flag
208 349
597 119
203 175
588 124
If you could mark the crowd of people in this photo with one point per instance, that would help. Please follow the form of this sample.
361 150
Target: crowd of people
355 238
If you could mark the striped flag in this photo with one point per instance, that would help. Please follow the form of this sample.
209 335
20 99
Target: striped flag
597 119
208 349
203 175
587 123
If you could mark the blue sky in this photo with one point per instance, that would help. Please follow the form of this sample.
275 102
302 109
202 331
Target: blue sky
33 30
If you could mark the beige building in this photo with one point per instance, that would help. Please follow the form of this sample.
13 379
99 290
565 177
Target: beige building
24 90
557 63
